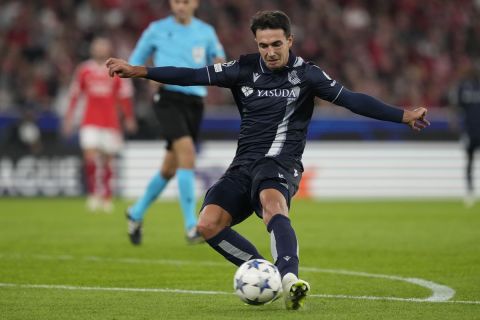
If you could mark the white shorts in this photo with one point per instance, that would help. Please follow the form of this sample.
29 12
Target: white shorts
107 140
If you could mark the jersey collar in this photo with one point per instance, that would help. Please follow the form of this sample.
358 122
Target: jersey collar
292 62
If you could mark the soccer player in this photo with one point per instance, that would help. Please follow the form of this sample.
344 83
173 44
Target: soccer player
467 98
100 131
274 91
184 41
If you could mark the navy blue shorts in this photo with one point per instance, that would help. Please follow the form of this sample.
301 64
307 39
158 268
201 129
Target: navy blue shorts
237 191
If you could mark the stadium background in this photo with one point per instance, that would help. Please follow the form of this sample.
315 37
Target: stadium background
405 52
371 257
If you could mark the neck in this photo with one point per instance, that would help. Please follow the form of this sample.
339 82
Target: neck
100 61
185 21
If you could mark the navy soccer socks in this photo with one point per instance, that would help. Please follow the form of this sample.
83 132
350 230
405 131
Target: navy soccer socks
283 244
233 246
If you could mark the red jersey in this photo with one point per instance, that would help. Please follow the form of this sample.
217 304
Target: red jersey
103 95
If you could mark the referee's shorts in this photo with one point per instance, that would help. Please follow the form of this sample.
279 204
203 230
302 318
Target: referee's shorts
179 115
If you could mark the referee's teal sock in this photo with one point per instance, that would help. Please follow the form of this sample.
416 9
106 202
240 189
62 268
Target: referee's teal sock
155 187
186 187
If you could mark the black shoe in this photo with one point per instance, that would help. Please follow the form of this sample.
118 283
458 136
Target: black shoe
134 230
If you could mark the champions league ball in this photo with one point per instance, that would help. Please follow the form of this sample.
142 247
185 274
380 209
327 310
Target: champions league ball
257 282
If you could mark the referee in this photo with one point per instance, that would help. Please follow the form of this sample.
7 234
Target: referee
184 41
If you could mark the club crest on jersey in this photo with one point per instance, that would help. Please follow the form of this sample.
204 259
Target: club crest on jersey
247 91
293 77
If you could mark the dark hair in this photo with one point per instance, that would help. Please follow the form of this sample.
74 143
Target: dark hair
270 20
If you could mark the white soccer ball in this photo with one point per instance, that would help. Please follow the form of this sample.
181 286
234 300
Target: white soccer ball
257 282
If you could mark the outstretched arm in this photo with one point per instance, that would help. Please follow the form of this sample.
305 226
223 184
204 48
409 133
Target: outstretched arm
371 107
168 75
328 89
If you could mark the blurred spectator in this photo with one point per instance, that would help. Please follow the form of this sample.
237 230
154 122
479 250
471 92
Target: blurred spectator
404 51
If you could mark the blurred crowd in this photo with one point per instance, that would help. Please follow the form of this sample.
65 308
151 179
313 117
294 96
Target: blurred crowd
407 52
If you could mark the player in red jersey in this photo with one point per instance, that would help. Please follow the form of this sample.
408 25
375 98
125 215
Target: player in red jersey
100 130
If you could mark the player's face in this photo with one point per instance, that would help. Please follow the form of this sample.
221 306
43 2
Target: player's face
274 47
183 9
101 49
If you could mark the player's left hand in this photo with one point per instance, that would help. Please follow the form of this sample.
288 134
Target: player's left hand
67 128
416 118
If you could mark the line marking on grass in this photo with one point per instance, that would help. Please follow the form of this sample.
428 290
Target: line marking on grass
206 292
440 293
79 288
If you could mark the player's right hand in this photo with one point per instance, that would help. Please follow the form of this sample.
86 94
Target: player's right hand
122 69
118 67
131 125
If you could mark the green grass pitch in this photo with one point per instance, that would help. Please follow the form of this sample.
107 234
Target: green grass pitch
364 260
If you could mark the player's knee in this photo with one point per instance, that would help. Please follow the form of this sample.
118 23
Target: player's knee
90 154
273 203
186 160
167 174
207 228
212 220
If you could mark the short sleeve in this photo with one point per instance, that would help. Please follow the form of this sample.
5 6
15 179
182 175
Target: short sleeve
144 48
215 48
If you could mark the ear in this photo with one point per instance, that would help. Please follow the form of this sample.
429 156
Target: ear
290 41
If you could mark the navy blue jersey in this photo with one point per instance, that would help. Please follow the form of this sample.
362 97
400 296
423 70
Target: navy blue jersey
275 106
468 98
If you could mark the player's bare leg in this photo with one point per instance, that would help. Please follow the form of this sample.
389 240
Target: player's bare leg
108 165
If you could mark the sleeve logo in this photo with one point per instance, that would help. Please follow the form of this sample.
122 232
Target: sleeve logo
217 67
229 63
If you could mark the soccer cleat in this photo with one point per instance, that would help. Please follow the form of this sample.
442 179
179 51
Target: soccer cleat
134 230
193 236
295 291
93 203
107 206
